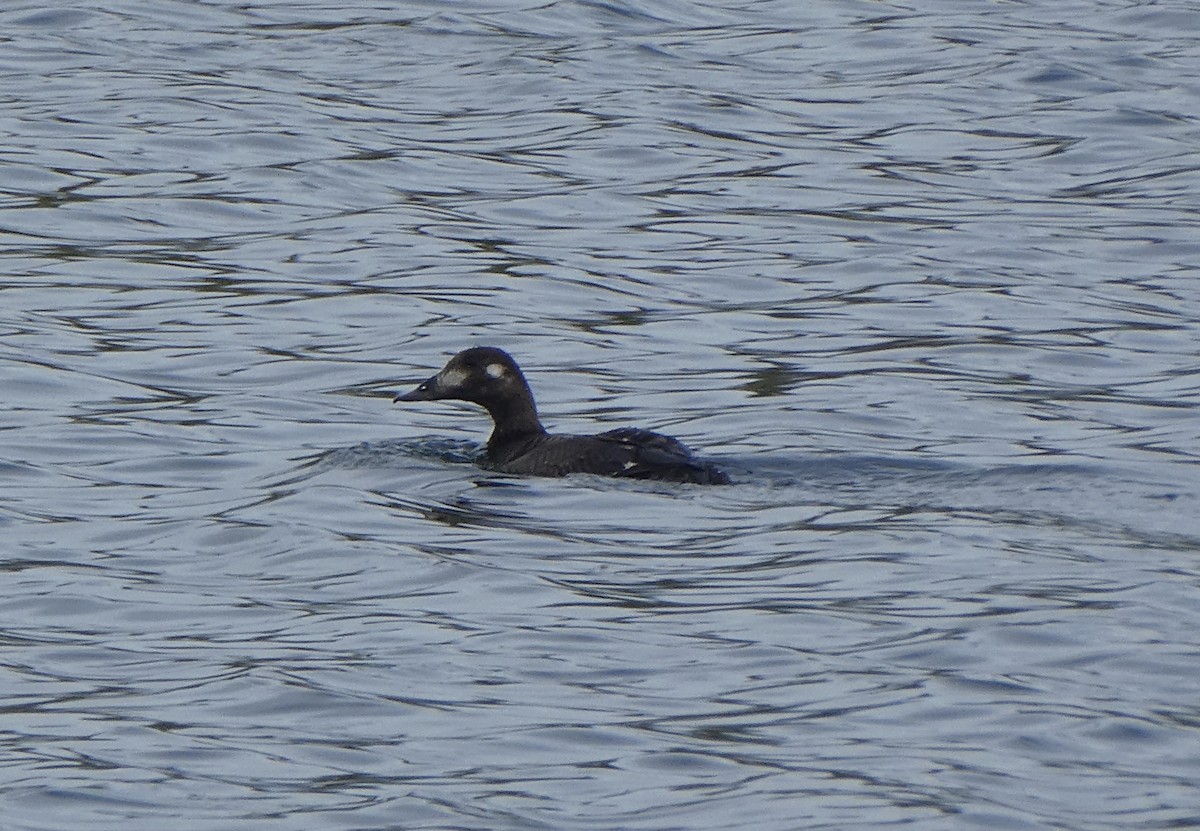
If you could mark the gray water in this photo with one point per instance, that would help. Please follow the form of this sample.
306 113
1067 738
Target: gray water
922 278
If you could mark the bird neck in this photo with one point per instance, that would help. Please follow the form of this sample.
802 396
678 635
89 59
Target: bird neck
514 417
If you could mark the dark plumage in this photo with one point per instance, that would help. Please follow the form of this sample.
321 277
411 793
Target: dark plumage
519 444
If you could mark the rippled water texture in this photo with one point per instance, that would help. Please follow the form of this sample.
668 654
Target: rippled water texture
922 277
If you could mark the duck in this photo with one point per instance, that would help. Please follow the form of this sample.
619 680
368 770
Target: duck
520 445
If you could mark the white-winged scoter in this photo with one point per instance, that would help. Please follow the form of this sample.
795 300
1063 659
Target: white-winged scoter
519 444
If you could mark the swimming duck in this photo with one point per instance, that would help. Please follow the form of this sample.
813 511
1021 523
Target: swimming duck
519 443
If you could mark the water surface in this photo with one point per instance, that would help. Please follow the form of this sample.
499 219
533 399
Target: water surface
923 281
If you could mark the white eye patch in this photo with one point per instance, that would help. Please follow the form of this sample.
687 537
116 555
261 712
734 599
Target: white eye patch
496 370
452 378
